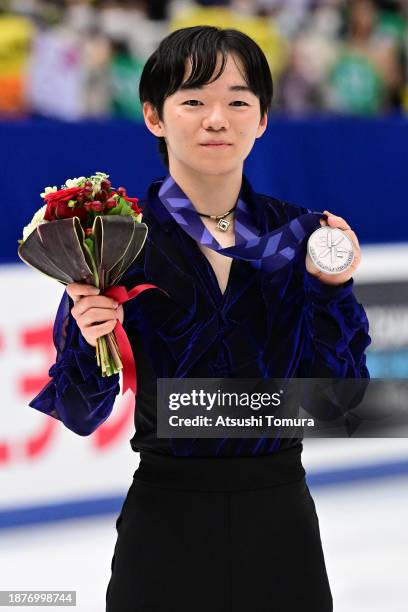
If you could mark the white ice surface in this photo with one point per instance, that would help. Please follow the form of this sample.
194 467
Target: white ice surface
363 527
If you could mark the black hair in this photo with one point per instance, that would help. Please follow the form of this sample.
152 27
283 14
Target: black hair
164 71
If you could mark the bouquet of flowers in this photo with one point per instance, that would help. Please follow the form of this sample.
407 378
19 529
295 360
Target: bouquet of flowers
86 232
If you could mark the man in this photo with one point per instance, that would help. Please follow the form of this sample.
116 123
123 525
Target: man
212 524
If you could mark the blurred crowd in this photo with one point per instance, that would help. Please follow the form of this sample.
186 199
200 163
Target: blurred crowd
73 59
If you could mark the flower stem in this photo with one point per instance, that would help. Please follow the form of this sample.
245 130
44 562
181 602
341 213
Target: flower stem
114 352
98 359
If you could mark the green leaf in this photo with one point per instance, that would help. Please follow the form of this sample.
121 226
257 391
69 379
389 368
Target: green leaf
126 207
91 245
115 211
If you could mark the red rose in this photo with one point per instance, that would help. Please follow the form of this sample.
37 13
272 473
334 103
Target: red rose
136 208
57 205
97 206
110 203
49 214
133 201
134 205
63 195
63 211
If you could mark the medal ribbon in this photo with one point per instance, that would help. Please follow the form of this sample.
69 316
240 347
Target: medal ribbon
268 252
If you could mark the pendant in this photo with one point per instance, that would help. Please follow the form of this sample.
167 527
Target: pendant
223 225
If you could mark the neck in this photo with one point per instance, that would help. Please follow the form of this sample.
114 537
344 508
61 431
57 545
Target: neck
209 194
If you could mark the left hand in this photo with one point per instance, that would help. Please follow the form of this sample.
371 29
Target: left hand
341 277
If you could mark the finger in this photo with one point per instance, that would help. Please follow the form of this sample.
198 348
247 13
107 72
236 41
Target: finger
120 313
346 225
96 315
323 222
353 238
82 289
94 301
336 221
96 331
78 290
76 297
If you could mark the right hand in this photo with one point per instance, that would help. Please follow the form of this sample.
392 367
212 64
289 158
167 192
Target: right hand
96 315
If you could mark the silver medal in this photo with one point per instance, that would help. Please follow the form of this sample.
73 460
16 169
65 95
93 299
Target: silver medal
331 250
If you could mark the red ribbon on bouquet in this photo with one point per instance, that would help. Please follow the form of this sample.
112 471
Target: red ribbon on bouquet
120 294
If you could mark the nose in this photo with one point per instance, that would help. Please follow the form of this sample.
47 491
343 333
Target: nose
215 118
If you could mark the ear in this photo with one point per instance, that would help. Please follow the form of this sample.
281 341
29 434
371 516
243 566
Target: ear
262 125
152 120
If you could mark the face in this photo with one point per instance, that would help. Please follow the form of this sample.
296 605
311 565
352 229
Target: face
224 111
363 16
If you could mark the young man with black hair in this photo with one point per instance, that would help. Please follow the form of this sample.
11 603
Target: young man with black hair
213 524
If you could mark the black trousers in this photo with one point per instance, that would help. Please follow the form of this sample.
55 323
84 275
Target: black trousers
228 534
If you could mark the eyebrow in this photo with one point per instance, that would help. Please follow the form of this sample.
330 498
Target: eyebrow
232 88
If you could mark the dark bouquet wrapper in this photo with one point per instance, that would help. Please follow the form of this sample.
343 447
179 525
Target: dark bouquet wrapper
89 233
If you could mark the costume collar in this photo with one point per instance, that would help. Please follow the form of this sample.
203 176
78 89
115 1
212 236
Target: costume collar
255 205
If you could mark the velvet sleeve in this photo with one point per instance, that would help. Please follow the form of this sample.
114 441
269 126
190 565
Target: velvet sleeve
77 394
336 324
337 327
336 340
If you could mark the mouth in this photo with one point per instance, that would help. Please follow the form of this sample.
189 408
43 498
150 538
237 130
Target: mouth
216 145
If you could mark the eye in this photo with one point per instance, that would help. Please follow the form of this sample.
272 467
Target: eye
197 102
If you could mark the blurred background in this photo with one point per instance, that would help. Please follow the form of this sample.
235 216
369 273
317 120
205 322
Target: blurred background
337 139
325 55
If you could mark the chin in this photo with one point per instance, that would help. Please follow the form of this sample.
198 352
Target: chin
216 168
209 167
218 172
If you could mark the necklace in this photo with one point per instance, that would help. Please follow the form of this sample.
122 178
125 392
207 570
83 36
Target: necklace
222 224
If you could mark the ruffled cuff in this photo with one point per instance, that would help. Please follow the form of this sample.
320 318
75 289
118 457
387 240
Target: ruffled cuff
82 404
337 331
337 337
77 394
318 290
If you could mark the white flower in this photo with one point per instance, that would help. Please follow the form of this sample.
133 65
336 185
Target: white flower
48 190
75 182
35 221
96 180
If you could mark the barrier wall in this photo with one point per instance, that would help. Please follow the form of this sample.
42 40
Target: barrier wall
353 167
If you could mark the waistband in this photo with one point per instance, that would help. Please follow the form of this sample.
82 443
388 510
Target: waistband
221 473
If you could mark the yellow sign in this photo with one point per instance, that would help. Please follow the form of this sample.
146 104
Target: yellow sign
16 34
